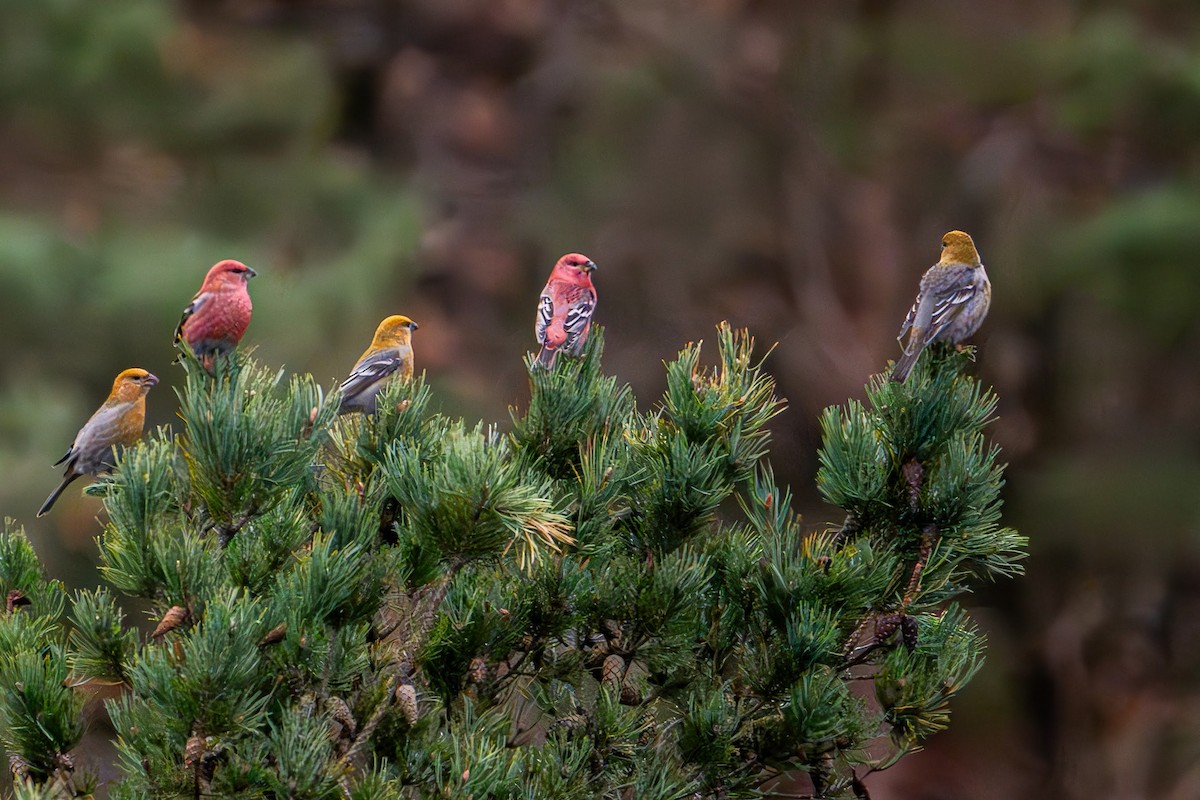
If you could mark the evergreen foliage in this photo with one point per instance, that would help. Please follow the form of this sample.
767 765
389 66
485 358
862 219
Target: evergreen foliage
403 605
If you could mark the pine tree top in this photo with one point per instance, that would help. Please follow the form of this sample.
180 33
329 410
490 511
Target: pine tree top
408 605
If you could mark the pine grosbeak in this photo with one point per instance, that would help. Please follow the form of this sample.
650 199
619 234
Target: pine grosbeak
119 421
565 309
390 354
951 303
214 322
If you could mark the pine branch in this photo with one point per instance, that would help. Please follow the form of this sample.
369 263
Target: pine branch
400 605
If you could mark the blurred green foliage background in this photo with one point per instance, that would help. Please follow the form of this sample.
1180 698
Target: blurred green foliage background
788 166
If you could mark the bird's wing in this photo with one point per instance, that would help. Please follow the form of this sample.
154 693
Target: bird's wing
579 316
908 320
197 303
66 455
370 369
93 444
545 314
947 306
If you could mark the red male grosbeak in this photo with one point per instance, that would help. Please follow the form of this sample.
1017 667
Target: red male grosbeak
214 322
564 314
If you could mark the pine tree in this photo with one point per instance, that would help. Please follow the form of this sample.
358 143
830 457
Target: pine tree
600 603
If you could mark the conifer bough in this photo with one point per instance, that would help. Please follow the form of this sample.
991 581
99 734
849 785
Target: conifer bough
600 603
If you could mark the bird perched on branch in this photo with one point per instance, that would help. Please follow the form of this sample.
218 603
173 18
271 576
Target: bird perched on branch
390 354
564 314
214 322
951 303
119 421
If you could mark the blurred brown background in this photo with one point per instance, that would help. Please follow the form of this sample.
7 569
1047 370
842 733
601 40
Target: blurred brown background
787 165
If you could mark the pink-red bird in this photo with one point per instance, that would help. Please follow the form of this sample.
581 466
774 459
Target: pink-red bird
564 314
214 322
119 421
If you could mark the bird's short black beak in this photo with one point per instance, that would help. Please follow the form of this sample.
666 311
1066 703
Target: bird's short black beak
590 266
251 273
150 379
413 326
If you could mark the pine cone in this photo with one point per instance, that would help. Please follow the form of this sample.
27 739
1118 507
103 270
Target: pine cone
613 671
914 474
208 767
908 631
572 723
175 616
406 698
885 626
193 751
273 636
340 713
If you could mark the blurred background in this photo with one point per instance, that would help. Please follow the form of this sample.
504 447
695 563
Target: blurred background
789 166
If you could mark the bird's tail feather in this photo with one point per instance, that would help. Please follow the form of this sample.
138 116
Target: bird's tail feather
545 359
905 364
53 498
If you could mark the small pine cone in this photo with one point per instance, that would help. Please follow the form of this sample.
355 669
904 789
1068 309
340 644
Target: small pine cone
914 474
571 722
193 751
630 696
612 631
18 766
175 616
208 767
477 672
387 520
908 631
16 598
885 626
820 772
308 704
306 431
599 651
273 636
340 712
406 698
613 671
